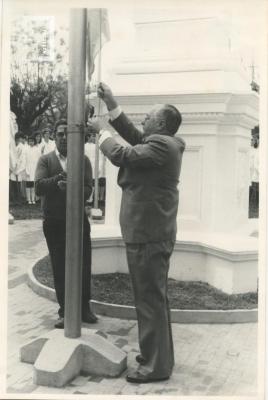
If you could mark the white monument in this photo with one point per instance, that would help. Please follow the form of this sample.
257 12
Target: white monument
192 62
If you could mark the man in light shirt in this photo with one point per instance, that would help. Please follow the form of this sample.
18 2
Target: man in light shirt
50 183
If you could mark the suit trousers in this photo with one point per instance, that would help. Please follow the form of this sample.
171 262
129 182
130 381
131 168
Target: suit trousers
148 266
55 234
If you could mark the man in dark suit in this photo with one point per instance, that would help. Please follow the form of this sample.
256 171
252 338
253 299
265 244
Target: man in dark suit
148 175
50 183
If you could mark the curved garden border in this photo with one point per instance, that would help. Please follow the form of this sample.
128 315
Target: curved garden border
179 316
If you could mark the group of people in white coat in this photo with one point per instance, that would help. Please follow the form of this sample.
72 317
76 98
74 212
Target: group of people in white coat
27 153
24 156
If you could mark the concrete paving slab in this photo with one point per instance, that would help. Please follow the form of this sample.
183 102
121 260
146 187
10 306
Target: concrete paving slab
219 360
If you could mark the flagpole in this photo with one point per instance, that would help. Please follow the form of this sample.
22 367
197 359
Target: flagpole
75 173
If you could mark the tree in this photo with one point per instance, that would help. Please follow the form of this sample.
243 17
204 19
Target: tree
28 101
57 108
38 92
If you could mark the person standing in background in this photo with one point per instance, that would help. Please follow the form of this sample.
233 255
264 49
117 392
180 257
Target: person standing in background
32 156
38 140
90 152
13 129
47 144
21 163
254 175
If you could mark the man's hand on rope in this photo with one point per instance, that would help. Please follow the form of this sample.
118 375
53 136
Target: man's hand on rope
96 124
100 125
104 92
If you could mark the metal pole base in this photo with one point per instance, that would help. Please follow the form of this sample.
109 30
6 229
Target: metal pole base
58 359
96 213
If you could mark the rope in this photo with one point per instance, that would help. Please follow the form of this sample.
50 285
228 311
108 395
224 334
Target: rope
96 191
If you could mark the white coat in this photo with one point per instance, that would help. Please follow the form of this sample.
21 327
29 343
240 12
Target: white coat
21 161
33 154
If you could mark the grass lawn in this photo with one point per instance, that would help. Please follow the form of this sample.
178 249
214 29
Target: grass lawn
185 295
24 210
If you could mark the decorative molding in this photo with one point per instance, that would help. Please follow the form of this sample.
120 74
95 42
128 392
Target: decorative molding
187 246
220 118
177 20
214 118
196 246
167 70
151 64
175 98
224 100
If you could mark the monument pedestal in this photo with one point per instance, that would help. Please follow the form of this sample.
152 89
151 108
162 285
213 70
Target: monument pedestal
215 241
209 85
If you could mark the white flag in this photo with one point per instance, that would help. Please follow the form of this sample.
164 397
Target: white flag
98 33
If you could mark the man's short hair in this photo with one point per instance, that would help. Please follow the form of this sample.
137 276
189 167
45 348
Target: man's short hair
172 117
58 123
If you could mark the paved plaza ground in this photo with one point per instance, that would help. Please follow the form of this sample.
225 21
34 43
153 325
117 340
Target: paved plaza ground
210 359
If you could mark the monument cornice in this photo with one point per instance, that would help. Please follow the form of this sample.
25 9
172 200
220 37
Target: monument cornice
216 118
184 98
156 64
240 98
220 118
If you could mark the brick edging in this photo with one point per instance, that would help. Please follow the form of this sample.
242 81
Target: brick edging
177 316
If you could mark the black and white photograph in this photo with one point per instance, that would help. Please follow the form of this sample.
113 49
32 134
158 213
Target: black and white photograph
134 207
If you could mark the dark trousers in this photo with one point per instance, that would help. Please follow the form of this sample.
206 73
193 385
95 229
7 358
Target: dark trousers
55 232
254 195
148 266
14 191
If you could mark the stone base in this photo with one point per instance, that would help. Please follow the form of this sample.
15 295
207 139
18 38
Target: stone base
228 262
58 359
96 213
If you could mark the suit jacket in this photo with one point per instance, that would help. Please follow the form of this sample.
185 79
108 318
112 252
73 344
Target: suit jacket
46 185
148 175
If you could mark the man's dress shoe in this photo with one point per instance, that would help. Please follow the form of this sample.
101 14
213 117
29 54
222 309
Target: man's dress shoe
137 377
141 360
60 323
89 317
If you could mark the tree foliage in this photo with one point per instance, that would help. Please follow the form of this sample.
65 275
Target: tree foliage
38 93
37 104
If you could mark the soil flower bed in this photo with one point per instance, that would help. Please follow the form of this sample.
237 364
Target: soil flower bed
116 288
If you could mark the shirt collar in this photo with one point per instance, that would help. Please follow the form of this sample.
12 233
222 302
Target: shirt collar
60 156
